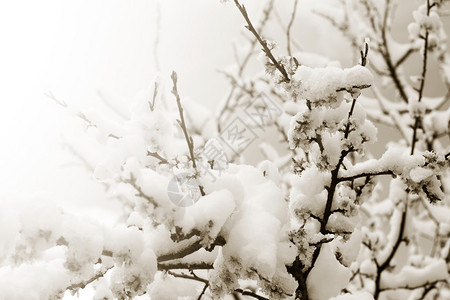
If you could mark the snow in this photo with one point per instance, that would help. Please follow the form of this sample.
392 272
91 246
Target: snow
324 83
368 267
419 174
264 227
308 192
270 171
394 232
395 159
21 283
319 83
354 296
416 109
208 214
437 121
349 249
84 241
132 279
410 276
119 151
255 232
167 287
328 277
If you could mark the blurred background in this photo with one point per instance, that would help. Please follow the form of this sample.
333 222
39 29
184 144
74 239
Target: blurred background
81 51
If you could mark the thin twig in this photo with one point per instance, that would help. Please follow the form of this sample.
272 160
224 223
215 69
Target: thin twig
413 287
251 294
382 266
83 284
418 120
132 181
182 253
181 122
244 63
350 178
288 30
203 291
57 100
385 52
404 57
186 266
155 93
162 160
185 276
263 43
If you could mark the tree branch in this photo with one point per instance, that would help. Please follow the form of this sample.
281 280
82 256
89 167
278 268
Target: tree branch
191 248
187 266
413 287
288 30
381 267
263 43
418 120
182 123
132 181
385 53
162 160
350 178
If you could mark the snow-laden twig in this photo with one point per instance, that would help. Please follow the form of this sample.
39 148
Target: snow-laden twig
182 123
263 43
